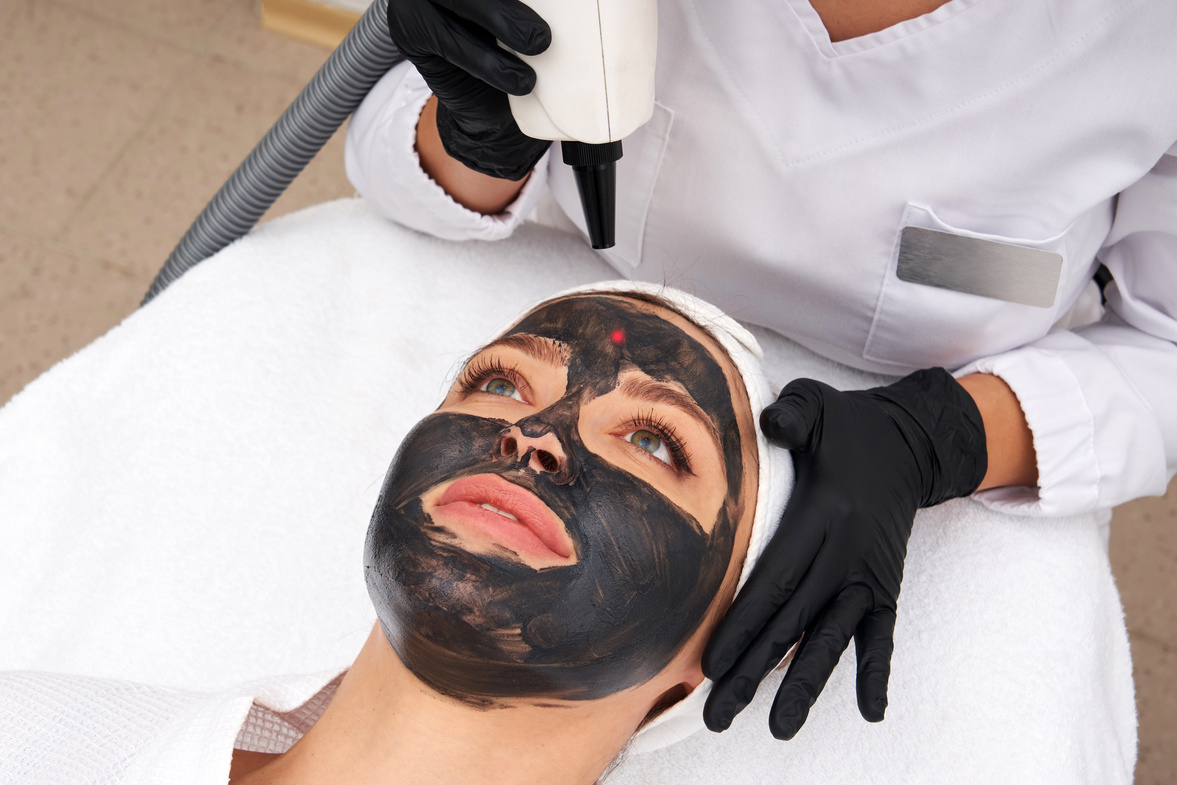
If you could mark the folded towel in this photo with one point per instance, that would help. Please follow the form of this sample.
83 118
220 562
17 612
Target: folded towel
184 504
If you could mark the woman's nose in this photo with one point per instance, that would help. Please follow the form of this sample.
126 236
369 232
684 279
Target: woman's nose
543 453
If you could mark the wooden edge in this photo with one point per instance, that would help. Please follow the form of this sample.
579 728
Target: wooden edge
309 21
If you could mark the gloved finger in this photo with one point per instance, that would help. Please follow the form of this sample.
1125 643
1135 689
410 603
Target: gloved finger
475 51
791 419
736 687
874 641
461 92
732 693
515 24
785 562
815 660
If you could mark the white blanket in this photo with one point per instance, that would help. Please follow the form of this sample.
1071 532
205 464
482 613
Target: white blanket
184 503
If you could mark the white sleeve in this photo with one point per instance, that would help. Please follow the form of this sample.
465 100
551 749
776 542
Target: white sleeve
1101 401
382 164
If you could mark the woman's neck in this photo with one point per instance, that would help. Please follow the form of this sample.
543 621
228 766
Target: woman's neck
384 726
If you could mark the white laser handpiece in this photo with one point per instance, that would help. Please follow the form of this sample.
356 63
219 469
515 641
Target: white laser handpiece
594 86
595 83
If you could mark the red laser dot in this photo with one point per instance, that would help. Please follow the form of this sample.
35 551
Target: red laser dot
617 336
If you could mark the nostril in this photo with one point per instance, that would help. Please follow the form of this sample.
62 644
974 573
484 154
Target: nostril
509 447
547 461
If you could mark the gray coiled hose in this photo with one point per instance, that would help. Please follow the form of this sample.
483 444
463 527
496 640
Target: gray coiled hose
336 90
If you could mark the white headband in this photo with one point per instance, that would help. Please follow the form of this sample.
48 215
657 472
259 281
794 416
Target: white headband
773 488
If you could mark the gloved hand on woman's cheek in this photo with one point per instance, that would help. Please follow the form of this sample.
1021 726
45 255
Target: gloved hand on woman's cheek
454 45
865 462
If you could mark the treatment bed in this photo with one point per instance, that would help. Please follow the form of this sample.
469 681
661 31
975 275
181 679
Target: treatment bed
184 502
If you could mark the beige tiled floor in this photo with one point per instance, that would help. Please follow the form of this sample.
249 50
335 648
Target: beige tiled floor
120 118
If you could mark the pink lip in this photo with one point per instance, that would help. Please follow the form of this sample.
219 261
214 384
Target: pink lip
537 531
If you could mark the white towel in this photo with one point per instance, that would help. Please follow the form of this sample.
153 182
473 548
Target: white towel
72 730
184 503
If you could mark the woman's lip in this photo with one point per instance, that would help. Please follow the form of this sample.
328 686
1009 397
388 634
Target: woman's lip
533 518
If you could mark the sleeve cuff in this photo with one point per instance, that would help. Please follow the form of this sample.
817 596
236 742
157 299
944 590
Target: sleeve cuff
383 164
1063 429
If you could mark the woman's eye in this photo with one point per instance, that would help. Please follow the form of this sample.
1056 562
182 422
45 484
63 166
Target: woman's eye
502 387
651 443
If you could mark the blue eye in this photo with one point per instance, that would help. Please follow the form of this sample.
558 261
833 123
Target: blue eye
501 386
651 443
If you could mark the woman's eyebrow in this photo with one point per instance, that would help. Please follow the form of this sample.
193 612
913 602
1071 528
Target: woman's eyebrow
654 391
545 350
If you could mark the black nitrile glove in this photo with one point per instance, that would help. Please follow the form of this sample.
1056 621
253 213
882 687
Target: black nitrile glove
865 462
453 44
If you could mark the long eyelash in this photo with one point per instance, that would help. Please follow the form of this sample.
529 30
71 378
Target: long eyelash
674 443
477 372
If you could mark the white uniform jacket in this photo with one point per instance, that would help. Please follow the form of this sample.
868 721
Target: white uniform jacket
780 169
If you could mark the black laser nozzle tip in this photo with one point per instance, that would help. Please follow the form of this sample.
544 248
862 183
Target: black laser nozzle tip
595 169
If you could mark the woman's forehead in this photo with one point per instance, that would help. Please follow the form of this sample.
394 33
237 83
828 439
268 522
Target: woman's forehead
603 335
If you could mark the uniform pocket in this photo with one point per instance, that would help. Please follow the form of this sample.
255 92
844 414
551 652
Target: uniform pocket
918 325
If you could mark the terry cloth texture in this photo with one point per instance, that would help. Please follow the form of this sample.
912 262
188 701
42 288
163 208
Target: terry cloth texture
72 730
185 502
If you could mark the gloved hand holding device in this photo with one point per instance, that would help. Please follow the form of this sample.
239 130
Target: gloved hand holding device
454 45
865 462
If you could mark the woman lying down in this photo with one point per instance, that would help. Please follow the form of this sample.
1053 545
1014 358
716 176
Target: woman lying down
549 552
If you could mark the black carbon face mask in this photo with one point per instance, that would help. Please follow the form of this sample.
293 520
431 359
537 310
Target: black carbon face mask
481 627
